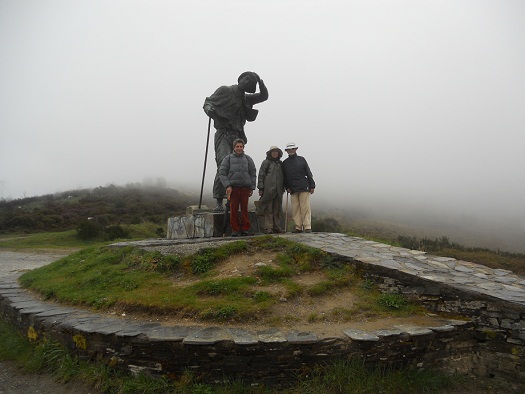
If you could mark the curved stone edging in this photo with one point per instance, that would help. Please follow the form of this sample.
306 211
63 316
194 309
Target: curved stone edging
496 331
267 356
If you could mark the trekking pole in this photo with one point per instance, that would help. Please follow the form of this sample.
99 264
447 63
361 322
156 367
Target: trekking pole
286 215
205 159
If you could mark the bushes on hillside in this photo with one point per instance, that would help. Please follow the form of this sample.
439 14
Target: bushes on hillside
92 229
111 205
88 229
326 225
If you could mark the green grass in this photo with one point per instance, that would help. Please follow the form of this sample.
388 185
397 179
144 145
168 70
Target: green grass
353 376
337 278
514 262
50 357
97 277
49 240
102 277
207 258
69 239
375 303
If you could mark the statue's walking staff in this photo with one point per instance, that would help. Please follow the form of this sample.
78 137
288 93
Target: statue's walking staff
205 160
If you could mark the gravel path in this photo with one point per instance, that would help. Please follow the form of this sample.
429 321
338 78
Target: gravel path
12 379
13 262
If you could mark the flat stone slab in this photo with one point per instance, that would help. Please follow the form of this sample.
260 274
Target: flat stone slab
100 326
17 303
445 328
301 338
243 337
207 336
37 308
386 332
360 335
271 336
55 311
414 330
163 333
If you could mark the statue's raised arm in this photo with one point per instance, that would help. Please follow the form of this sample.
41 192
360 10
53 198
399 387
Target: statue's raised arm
256 98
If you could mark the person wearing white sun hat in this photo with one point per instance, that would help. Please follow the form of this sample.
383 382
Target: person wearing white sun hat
299 182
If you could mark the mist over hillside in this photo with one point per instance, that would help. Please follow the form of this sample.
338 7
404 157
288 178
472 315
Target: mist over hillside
156 201
386 216
466 225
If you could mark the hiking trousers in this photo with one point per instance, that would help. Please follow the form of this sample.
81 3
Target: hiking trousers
301 213
239 199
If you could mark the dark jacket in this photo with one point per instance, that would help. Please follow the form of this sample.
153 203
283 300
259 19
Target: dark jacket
238 171
271 178
297 174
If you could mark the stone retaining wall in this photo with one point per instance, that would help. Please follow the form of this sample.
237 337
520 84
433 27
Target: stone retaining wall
267 357
484 336
498 325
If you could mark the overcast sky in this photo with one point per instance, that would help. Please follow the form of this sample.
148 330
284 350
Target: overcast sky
414 101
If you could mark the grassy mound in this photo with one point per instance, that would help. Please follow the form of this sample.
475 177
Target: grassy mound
206 285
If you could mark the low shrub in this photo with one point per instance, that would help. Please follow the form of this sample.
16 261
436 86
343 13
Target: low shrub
89 229
115 232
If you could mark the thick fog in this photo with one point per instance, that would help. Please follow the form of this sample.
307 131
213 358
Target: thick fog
399 106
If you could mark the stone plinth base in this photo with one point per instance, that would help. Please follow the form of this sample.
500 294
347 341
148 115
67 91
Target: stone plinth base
200 224
192 209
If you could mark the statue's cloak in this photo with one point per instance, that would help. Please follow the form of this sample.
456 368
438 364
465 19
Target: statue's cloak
231 108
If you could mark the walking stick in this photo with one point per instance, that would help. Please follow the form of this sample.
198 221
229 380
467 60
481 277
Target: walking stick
205 159
286 215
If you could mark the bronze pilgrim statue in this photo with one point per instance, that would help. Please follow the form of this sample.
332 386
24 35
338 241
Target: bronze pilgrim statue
230 107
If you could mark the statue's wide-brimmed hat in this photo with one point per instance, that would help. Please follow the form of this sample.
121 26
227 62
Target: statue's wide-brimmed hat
253 75
291 145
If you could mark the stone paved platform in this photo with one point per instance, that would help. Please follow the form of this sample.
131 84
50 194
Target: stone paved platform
464 275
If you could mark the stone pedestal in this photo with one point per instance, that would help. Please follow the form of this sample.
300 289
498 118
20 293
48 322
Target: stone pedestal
198 223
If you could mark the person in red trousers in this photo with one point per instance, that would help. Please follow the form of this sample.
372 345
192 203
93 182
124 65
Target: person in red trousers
238 175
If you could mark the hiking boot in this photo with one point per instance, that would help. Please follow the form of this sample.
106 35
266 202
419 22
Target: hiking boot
297 230
244 233
268 231
308 230
278 230
234 234
218 208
